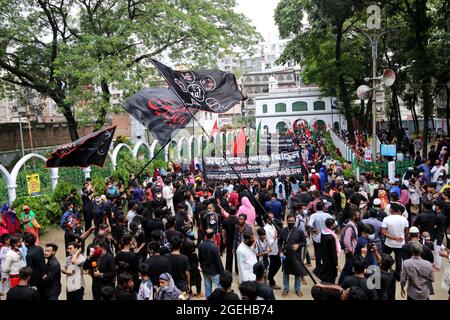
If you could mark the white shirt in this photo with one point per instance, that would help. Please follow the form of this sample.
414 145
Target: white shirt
75 281
167 192
395 225
436 171
317 221
246 259
12 262
145 291
271 237
130 216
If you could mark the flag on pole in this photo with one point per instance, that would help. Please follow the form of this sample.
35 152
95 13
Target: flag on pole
160 110
241 143
84 152
258 133
211 90
215 129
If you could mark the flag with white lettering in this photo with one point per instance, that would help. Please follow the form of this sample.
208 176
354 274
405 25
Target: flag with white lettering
211 90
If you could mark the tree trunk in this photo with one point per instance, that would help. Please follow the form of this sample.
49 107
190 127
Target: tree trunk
427 111
397 114
342 89
414 114
67 112
447 106
106 95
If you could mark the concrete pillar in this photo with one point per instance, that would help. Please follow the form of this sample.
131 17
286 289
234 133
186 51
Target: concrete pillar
54 178
391 170
87 172
12 193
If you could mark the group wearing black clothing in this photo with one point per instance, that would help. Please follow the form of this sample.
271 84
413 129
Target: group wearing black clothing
36 261
228 231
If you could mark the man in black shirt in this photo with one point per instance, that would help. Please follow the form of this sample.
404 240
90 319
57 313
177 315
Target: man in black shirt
151 224
36 261
228 230
170 229
157 264
426 221
210 262
304 197
358 279
387 281
52 278
224 293
124 290
101 266
262 290
23 291
180 266
414 236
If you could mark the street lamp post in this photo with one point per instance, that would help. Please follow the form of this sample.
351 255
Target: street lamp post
374 24
29 97
21 133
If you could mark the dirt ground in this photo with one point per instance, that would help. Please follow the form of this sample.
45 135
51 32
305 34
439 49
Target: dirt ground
56 235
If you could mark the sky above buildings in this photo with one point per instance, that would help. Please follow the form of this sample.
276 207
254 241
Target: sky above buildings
261 13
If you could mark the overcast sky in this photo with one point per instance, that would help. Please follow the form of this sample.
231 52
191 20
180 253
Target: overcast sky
260 12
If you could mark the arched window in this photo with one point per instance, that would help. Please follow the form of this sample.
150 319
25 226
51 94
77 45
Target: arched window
319 105
265 78
300 106
280 107
281 126
266 129
264 108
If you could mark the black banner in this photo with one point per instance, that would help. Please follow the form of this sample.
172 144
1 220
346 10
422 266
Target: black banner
286 161
160 110
210 90
88 150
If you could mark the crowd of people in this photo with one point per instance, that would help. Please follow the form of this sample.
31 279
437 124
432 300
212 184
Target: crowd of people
174 236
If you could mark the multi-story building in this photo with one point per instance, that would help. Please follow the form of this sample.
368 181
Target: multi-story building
280 109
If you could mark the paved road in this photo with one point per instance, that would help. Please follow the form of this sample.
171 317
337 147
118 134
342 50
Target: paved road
57 236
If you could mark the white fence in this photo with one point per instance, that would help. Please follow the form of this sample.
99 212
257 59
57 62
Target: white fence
183 144
347 152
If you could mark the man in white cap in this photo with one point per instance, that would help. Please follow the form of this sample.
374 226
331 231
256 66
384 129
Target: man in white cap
414 236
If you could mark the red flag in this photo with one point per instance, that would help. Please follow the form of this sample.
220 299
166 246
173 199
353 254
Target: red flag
308 133
241 143
215 129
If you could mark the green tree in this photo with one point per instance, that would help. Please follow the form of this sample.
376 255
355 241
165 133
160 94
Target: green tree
330 54
74 51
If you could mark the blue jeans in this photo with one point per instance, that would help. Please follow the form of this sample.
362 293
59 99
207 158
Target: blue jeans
297 284
209 281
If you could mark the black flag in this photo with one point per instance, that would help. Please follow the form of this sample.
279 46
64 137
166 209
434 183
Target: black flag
160 110
88 150
211 90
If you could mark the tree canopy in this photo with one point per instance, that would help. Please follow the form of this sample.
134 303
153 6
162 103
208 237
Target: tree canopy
75 51
335 55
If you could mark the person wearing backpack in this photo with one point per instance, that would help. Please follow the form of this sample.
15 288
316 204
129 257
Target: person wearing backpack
349 239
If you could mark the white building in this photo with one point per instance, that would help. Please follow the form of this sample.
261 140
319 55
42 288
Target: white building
281 108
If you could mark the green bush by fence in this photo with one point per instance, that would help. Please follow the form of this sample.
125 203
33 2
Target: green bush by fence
381 167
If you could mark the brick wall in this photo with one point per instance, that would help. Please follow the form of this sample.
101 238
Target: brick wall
52 134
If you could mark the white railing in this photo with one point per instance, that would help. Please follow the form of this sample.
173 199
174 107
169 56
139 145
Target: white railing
347 152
